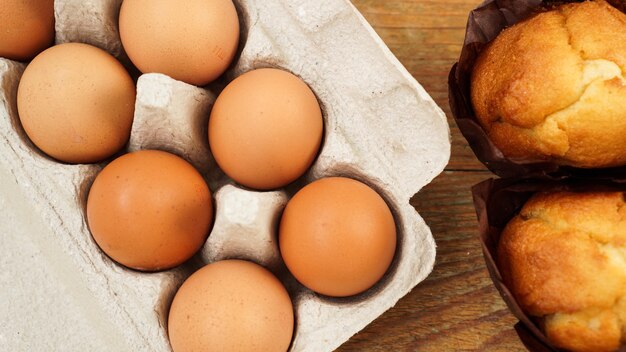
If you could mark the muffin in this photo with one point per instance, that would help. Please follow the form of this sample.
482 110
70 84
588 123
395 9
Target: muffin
553 87
563 257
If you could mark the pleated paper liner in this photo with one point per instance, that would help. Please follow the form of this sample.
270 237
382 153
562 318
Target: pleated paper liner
497 201
484 24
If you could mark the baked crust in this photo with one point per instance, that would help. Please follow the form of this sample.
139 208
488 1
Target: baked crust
564 259
553 87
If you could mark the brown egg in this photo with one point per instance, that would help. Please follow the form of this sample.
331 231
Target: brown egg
26 28
231 305
76 103
193 42
149 210
337 236
265 129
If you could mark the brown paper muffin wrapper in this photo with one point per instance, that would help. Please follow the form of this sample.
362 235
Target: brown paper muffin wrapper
497 201
484 24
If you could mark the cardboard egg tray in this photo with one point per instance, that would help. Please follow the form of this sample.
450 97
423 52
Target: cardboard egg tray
60 292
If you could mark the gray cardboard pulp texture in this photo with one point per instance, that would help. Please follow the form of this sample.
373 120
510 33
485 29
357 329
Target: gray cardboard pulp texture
59 292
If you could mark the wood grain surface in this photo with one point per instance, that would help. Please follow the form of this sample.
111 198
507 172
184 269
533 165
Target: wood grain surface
456 308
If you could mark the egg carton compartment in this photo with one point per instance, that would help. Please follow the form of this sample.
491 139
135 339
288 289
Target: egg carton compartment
381 128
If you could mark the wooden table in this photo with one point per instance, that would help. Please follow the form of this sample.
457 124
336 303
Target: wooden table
457 308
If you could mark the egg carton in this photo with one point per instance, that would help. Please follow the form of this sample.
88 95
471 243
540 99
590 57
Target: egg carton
381 128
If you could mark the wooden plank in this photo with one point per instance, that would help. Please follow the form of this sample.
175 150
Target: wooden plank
457 308
416 13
